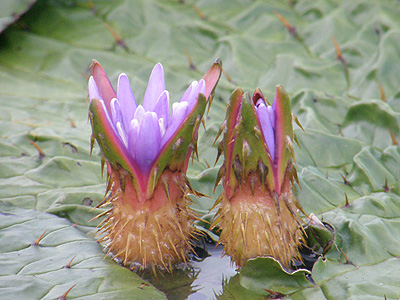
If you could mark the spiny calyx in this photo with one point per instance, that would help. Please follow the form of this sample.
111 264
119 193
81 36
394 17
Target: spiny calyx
154 232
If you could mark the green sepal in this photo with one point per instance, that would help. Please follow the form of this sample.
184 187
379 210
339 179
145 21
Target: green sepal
231 126
250 136
111 146
283 135
176 153
244 147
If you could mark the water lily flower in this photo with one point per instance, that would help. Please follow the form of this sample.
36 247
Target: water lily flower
146 149
258 212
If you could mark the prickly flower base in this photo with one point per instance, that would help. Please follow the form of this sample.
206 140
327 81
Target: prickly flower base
257 223
258 213
155 232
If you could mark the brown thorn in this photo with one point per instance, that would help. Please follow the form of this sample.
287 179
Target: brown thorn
338 52
219 199
166 189
394 141
294 174
297 122
298 220
219 153
195 150
345 257
344 180
102 223
347 203
68 265
207 164
64 296
299 207
100 215
221 173
204 123
41 154
289 27
118 40
296 140
190 61
128 244
107 200
227 76
220 131
386 187
199 12
153 268
173 246
383 97
109 185
103 161
116 255
71 122
188 184
159 249
36 243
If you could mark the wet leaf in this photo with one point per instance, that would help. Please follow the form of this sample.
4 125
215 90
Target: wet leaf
348 163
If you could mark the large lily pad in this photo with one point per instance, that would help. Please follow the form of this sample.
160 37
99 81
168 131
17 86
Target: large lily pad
11 10
348 159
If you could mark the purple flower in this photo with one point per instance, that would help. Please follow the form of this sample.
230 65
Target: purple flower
146 128
147 148
266 115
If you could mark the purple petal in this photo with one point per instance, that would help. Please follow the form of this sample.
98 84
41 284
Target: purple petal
139 113
149 138
201 89
178 115
154 88
268 132
93 90
116 114
271 113
186 94
163 125
122 134
126 99
107 114
259 102
162 106
133 135
192 93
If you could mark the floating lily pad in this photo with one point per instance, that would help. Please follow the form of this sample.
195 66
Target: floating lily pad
348 159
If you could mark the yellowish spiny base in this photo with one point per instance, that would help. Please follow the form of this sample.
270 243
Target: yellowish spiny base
154 232
252 225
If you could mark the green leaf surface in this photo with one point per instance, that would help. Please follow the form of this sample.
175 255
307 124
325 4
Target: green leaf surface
37 270
11 10
348 159
262 274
